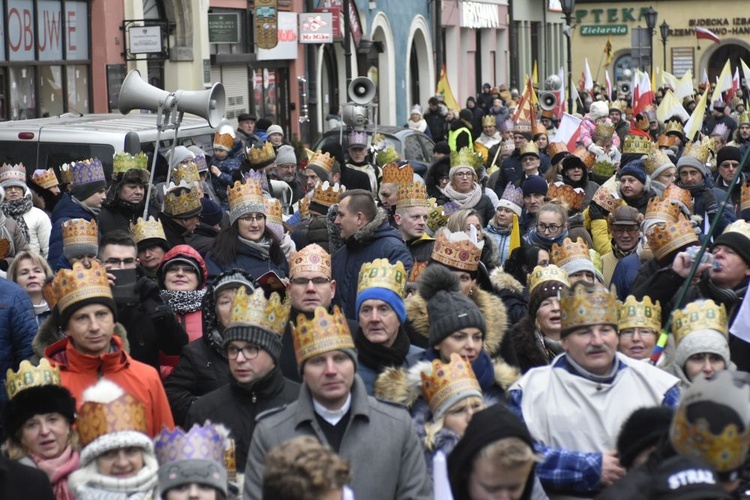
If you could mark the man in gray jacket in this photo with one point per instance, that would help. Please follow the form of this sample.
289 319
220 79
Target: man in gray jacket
376 438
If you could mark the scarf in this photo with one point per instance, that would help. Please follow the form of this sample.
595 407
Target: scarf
420 125
464 200
262 247
41 308
93 211
15 209
183 302
216 341
378 356
621 254
89 484
549 347
58 469
534 238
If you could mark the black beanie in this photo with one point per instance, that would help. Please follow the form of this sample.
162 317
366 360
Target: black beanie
728 153
542 292
63 317
448 309
37 401
486 427
737 242
465 115
251 334
442 147
644 427
84 191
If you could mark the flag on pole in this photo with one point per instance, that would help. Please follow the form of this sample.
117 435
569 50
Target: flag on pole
569 130
704 34
695 122
635 87
535 76
444 87
645 95
562 101
668 80
588 81
608 52
735 83
526 104
670 106
654 74
704 77
609 84
684 86
724 82
745 72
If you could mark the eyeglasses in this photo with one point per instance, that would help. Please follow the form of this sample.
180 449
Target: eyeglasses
119 262
181 268
552 228
306 281
253 218
529 159
464 174
248 352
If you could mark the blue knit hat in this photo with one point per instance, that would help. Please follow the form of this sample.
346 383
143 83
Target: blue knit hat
635 169
388 296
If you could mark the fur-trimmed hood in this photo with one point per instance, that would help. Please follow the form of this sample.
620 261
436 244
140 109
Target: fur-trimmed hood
367 233
504 281
48 334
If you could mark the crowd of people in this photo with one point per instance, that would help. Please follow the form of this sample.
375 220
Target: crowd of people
277 323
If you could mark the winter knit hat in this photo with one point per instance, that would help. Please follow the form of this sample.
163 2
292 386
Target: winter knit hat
211 213
285 155
701 341
233 278
737 237
598 109
728 153
381 280
448 309
275 129
181 154
644 427
186 255
534 184
635 169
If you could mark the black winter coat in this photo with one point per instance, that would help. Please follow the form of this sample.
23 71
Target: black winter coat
21 481
237 407
203 238
175 233
117 217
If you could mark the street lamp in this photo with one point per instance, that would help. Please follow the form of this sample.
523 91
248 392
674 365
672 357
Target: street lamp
568 6
664 28
651 24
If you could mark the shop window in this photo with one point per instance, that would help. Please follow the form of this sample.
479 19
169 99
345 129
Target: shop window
51 90
265 94
78 88
22 92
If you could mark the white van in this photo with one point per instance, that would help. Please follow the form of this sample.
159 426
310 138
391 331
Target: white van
50 142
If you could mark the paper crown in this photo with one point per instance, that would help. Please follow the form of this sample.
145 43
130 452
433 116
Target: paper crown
395 174
745 196
199 443
641 123
357 138
543 274
304 208
15 172
246 196
467 158
147 229
522 126
322 160
721 130
45 179
312 258
556 148
636 145
740 227
86 171
66 174
665 141
513 195
449 383
617 105
573 197
273 210
437 217
539 128
180 200
80 232
482 151
657 159
530 148
488 121
29 375
560 255
603 130
579 307
606 199
586 157
255 310
411 195
122 162
672 235
603 168
456 250
700 150
662 209
74 285
326 194
673 127
644 314
744 118
380 273
682 197
96 419
386 156
322 333
699 315
186 173
224 140
260 157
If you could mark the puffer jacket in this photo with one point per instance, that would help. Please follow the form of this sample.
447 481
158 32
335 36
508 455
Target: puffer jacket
314 230
17 328
375 240
230 169
65 209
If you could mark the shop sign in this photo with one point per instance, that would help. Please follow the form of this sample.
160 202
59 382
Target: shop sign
354 26
479 15
604 29
46 32
287 36
144 39
224 28
315 27
731 26
336 23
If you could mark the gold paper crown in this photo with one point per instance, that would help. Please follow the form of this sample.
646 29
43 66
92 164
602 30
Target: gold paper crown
73 285
312 258
181 201
745 196
125 413
255 310
556 148
224 140
573 197
80 232
147 229
662 209
641 123
412 195
636 144
15 172
644 314
665 141
380 273
322 160
437 217
670 237
456 250
393 174
186 172
700 315
245 193
579 307
674 127
587 157
66 174
45 179
543 274
607 199
322 333
676 194
467 158
700 150
274 212
386 156
488 121
739 226
603 168
604 130
530 148
327 194
122 162
29 375
618 105
560 255
263 155
482 151
304 208
657 158
744 118
448 381
539 129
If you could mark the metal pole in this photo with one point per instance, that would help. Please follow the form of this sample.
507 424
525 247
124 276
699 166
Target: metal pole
439 54
651 51
568 21
347 44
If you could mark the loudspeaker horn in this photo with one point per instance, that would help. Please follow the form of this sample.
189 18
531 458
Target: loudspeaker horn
361 90
209 104
547 100
137 94
624 87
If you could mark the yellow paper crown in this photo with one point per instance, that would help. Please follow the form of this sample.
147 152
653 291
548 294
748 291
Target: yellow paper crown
412 195
271 314
449 383
66 174
312 258
556 148
604 130
147 229
662 209
327 194
246 193
322 333
437 217
560 255
467 158
744 118
745 196
304 208
530 148
700 315
456 250
261 156
125 413
322 160
670 237
382 274
482 151
386 156
665 141
122 162
224 140
395 174
181 201
657 159
644 314
543 274
573 197
680 196
488 121
618 105
185 173
636 144
579 307
29 375
45 179
80 232
700 150
674 127
77 284
740 227
274 212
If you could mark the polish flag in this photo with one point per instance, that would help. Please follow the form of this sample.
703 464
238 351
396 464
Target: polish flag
569 131
588 82
704 34
609 84
645 95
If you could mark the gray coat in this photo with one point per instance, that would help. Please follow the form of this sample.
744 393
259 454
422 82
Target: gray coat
380 444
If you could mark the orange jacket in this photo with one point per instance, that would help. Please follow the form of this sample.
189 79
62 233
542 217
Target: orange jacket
79 371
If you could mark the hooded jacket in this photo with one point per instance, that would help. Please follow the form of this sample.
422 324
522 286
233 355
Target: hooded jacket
191 322
65 209
117 213
17 328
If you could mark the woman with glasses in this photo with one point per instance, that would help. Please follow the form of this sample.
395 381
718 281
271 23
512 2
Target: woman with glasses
31 272
551 226
464 190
